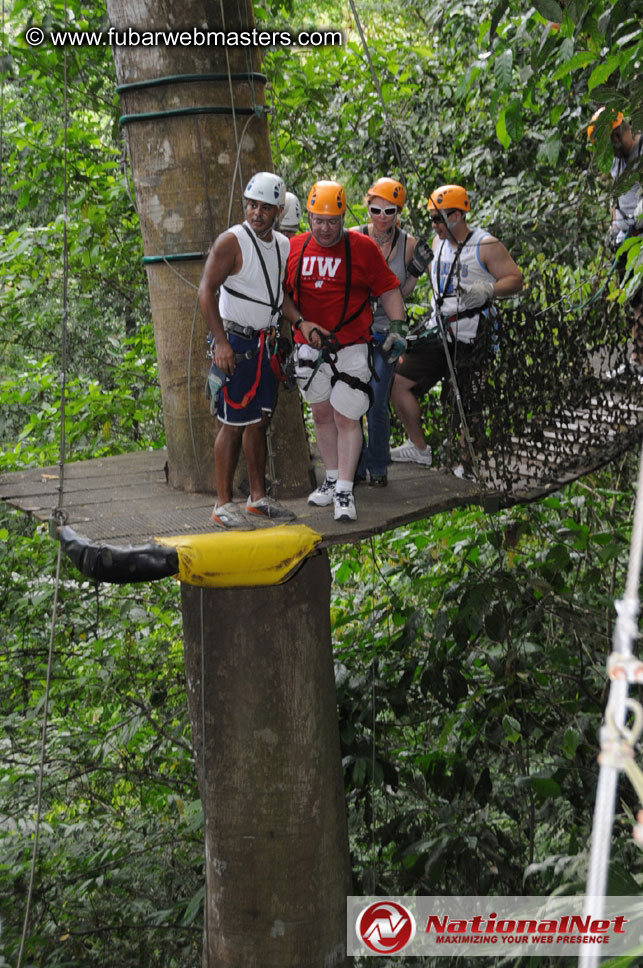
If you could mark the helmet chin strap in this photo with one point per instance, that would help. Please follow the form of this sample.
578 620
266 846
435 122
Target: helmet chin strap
449 226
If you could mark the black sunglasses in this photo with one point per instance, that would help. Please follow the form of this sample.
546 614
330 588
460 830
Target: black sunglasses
440 218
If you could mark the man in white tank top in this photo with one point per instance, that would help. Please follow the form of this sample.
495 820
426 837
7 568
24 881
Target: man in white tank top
240 295
470 268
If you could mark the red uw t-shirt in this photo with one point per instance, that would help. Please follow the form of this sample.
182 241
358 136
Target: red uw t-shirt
319 288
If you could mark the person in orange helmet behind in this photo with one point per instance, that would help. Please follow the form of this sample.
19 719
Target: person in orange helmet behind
408 258
470 268
627 146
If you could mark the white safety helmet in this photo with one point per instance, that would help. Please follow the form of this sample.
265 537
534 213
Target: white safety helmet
291 215
266 187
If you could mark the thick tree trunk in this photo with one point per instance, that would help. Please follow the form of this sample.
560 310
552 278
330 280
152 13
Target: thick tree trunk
277 871
185 171
270 776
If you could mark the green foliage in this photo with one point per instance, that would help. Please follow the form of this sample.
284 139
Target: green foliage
493 96
470 671
64 190
100 418
120 855
470 650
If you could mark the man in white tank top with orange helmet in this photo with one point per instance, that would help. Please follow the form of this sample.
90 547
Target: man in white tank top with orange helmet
470 269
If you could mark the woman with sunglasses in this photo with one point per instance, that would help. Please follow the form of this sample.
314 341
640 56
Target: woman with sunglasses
385 200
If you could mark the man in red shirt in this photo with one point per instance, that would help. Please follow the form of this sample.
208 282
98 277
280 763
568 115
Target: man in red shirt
332 277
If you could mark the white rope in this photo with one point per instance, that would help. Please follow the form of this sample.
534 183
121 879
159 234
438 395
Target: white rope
203 781
58 517
41 772
617 741
234 120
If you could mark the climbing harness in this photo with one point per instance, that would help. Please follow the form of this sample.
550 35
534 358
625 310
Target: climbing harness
267 338
330 344
250 394
273 295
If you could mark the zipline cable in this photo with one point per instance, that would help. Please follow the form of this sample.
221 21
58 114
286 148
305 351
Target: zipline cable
203 781
58 518
232 105
387 117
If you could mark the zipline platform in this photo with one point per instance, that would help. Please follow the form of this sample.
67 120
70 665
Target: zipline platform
117 505
125 500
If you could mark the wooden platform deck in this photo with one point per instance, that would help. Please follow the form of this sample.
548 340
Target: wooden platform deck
125 500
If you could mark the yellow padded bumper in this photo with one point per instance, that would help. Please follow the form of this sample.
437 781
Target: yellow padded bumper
227 559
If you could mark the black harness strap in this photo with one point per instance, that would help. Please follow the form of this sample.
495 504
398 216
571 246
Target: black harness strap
274 304
442 293
327 354
354 382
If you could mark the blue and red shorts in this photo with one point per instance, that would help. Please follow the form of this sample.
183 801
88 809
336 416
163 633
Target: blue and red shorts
261 398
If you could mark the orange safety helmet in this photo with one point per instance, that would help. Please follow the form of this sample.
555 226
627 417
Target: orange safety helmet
620 117
326 198
450 196
390 189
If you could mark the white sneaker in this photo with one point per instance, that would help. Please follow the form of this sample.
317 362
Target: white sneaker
324 494
230 518
410 453
345 506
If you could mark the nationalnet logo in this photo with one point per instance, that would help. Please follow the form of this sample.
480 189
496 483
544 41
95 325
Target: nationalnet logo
385 927
489 926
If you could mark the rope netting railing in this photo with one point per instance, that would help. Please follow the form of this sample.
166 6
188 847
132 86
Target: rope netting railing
549 394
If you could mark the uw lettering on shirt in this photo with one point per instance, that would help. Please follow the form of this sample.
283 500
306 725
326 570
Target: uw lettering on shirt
320 266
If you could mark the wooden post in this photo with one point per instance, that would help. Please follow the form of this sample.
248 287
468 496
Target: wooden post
272 790
277 868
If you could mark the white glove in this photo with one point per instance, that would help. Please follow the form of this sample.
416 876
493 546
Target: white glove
477 294
612 237
393 347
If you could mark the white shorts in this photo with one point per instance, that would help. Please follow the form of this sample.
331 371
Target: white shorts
352 360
